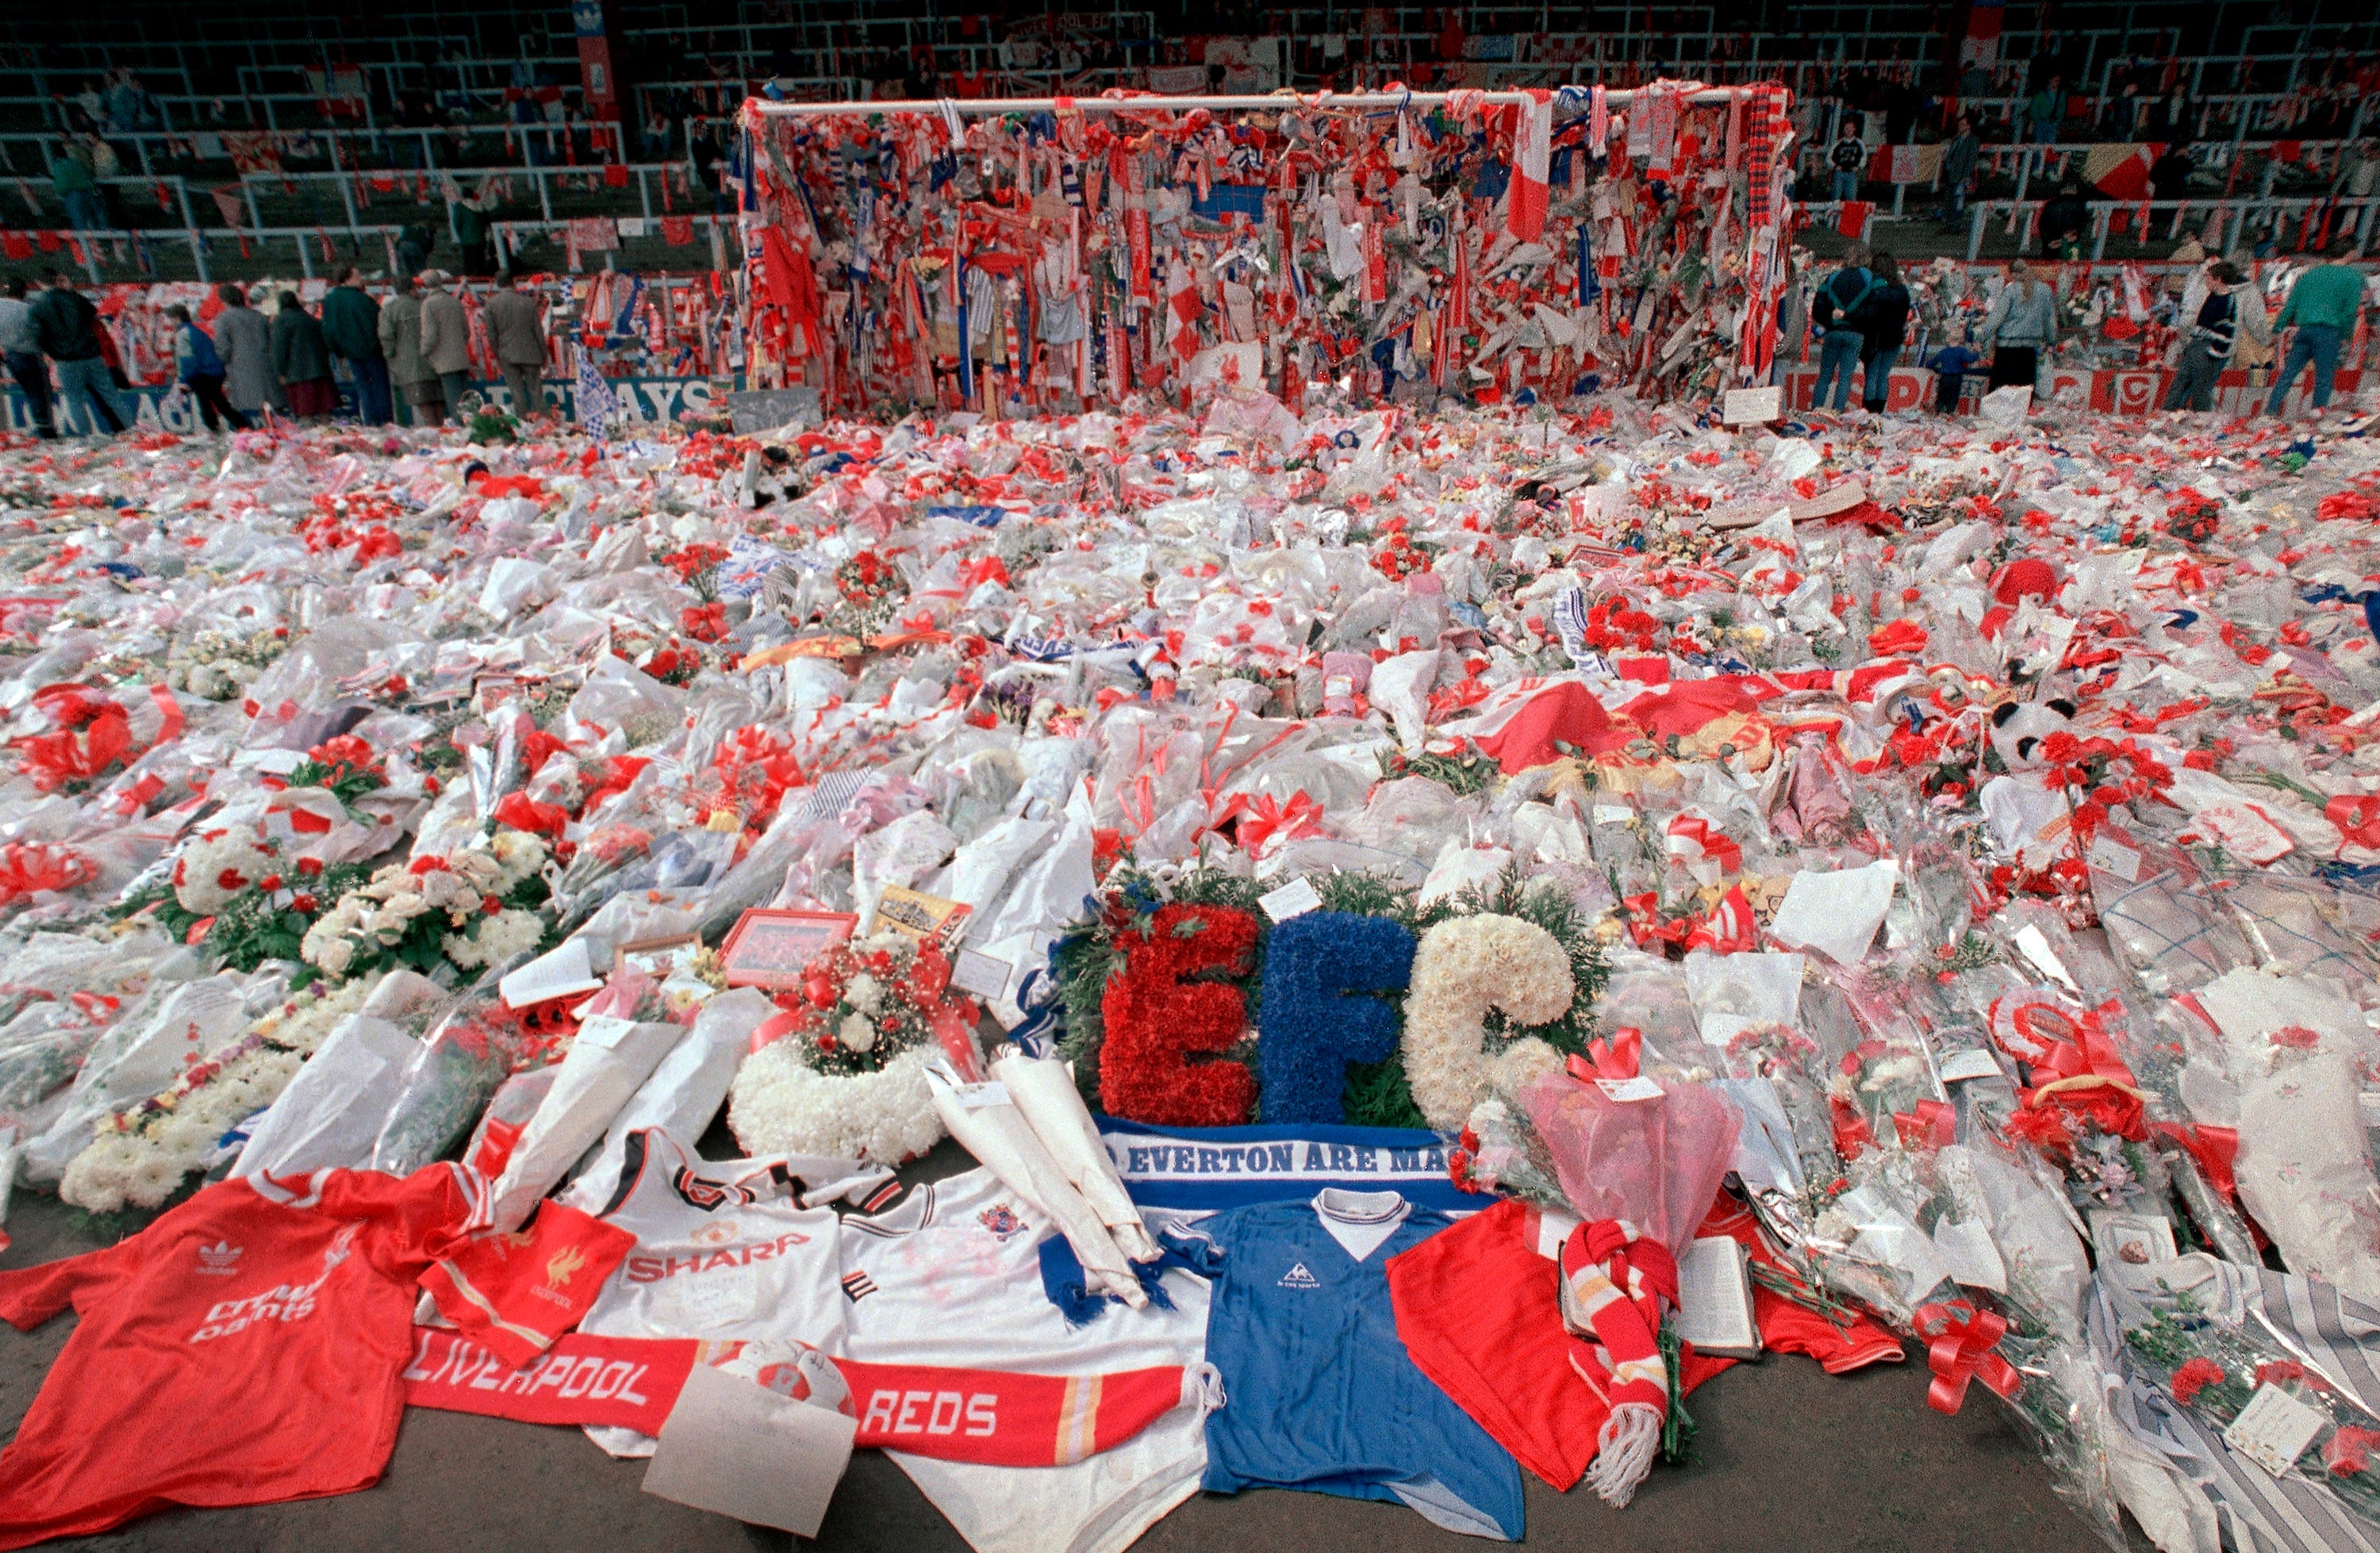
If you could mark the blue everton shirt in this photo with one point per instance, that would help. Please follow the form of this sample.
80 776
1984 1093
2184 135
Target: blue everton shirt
1317 1389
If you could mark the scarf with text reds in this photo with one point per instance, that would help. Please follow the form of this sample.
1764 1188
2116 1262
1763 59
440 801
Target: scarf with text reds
993 1417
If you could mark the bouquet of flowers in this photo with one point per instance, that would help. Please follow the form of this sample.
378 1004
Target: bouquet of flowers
666 659
841 1070
696 565
2083 1109
870 589
449 1081
1499 1151
231 891
1794 1069
2187 1325
2099 774
1873 1026
345 765
218 665
141 1155
468 907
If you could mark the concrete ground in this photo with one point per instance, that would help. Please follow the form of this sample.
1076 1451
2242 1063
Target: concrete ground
1789 1458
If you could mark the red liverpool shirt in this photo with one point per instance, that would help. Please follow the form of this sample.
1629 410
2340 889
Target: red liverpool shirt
246 1347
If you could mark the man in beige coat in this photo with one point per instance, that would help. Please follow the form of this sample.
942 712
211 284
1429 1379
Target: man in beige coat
517 333
400 340
445 337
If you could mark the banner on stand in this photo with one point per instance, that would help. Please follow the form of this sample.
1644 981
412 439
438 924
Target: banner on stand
650 401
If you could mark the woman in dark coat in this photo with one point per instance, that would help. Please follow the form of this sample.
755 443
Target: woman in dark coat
302 362
1882 324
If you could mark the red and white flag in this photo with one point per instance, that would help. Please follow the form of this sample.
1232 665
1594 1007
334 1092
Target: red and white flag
1182 309
1533 134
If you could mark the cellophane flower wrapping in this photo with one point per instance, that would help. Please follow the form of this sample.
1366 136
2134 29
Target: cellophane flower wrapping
450 1080
2298 1052
2207 1336
1654 1161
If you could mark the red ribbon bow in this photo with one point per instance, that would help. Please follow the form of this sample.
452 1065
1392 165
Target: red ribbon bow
1263 819
1646 925
1730 928
1899 636
2357 817
1705 840
2214 1148
1615 1059
30 868
2089 1055
1960 1341
522 813
1926 1124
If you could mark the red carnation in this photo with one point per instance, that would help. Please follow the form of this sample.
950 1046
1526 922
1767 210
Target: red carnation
2194 1377
2350 1449
309 866
231 878
304 903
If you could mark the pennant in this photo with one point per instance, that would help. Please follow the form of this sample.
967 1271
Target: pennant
1524 206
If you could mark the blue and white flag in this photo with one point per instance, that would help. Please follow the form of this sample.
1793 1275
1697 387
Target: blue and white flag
747 567
598 406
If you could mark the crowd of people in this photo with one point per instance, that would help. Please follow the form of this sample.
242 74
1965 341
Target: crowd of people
405 362
1858 321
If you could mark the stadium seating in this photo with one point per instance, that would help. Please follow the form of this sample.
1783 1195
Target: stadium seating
291 123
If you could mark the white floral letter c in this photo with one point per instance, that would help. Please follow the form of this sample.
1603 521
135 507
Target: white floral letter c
1463 969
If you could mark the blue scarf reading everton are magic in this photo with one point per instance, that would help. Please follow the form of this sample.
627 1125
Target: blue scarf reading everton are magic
1200 1169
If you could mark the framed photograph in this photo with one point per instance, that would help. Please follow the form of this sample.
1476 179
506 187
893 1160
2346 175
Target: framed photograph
926 918
658 958
771 949
2137 1239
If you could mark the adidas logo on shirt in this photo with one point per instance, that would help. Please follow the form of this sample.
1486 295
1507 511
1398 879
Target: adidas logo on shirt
857 1286
1298 1278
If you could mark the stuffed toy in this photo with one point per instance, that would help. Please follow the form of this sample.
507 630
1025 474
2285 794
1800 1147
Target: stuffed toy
2018 728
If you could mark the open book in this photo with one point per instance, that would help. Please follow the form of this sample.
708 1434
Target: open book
1715 1299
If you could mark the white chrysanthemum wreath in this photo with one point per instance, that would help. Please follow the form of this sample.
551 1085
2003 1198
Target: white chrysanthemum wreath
1461 969
782 1105
842 1069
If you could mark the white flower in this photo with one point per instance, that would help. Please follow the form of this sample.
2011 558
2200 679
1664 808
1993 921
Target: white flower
857 1032
95 1179
213 869
865 993
474 870
521 856
324 948
144 1168
501 937
1891 1071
